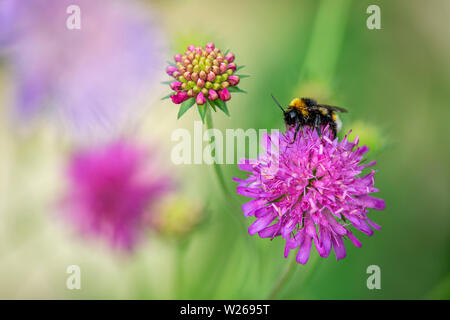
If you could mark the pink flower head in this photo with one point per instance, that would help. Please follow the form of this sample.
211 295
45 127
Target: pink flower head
111 190
203 69
310 191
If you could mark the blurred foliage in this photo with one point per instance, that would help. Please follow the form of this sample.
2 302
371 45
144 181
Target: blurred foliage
394 81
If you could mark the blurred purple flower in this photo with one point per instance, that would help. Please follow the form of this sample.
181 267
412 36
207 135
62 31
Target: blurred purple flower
312 191
112 192
91 76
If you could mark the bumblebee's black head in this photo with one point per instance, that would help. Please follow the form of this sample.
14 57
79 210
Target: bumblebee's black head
290 117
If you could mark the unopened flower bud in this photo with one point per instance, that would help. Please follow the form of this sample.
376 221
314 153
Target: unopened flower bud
180 97
224 94
234 80
223 68
213 95
211 76
178 57
171 69
232 66
200 99
200 83
229 57
194 76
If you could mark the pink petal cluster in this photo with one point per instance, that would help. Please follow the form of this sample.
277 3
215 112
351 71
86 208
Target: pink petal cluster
310 191
112 191
202 73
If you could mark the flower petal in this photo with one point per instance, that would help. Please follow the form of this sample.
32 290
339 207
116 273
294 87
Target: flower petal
339 247
304 251
260 224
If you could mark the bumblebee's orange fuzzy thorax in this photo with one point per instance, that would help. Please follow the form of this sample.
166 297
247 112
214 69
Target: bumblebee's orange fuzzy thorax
299 105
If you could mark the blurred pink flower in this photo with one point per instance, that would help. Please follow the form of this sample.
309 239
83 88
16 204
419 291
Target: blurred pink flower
88 77
112 192
311 191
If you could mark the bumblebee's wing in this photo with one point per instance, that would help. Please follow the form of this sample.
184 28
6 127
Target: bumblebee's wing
334 108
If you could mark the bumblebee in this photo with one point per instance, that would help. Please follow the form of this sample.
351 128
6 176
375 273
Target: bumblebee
307 112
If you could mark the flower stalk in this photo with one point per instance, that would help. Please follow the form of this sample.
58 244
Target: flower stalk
217 169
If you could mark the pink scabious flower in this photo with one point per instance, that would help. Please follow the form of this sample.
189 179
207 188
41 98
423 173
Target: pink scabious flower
310 191
112 191
203 75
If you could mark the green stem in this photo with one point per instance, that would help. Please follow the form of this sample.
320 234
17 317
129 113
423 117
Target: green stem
217 168
180 250
320 64
285 275
309 271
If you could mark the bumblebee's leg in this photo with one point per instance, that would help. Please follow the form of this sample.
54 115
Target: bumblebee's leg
296 131
333 127
317 125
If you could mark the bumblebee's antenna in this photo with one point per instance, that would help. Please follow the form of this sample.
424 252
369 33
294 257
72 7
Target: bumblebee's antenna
277 103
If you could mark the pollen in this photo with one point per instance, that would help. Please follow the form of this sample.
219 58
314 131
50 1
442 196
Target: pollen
323 111
335 116
298 103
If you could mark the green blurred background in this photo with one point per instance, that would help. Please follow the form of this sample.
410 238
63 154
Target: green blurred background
395 82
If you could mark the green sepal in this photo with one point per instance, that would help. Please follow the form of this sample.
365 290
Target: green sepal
236 89
238 68
167 82
202 111
222 106
243 76
185 106
226 52
212 105
172 64
168 96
